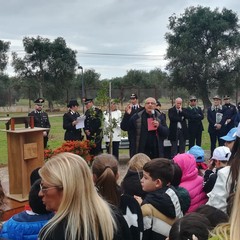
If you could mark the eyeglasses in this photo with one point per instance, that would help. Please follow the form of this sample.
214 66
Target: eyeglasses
193 100
152 103
44 189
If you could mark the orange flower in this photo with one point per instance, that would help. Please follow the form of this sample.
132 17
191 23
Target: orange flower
81 148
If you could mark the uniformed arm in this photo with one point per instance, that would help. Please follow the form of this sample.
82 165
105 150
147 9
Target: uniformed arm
67 122
48 125
234 113
195 114
210 117
200 111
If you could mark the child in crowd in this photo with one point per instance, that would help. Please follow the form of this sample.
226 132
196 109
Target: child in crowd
214 215
225 185
182 192
230 138
27 224
131 183
161 205
198 153
220 158
193 226
191 180
105 176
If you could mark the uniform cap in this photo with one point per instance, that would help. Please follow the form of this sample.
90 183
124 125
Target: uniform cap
231 135
39 101
192 98
216 97
197 152
88 100
133 95
221 153
226 97
72 103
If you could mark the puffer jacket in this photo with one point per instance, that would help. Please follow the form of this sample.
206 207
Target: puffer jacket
24 226
191 180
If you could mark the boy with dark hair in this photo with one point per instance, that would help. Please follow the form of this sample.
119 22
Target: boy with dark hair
220 158
161 206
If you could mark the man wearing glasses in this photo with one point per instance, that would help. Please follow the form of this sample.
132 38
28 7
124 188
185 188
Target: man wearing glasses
148 129
195 126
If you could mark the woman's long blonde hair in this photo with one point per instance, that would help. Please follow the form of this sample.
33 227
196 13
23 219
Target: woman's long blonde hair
235 214
87 214
231 230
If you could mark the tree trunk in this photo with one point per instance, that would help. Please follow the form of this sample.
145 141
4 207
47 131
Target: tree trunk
206 101
50 105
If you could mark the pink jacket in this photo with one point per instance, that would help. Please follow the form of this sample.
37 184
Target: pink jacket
191 180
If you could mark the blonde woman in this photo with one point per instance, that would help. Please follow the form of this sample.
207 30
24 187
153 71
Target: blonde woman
68 189
131 182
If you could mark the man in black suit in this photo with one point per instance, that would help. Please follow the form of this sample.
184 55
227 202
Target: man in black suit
195 126
93 125
178 131
41 118
132 108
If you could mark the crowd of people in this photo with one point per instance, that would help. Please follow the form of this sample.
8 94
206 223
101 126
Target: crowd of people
186 196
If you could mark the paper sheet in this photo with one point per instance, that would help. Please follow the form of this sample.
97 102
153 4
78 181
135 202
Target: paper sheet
80 122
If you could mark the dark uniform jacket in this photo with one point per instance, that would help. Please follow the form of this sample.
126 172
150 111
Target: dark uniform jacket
195 117
211 116
231 112
93 123
174 118
71 133
40 119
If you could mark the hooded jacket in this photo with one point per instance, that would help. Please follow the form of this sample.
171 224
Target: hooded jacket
191 180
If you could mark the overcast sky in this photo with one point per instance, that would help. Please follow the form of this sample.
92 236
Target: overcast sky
110 36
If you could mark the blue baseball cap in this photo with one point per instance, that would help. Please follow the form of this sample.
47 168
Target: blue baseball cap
197 152
231 135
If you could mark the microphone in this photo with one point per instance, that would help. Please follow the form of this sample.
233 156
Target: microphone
153 114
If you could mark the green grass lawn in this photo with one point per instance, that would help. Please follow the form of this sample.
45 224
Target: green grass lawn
56 135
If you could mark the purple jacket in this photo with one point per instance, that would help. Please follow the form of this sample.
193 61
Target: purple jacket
191 180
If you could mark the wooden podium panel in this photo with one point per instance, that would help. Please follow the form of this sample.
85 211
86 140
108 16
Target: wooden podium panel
25 153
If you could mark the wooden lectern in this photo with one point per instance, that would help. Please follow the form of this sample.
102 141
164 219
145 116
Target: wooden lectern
25 153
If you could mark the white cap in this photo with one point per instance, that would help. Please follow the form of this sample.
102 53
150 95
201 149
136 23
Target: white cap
221 153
